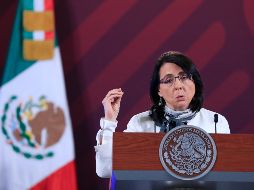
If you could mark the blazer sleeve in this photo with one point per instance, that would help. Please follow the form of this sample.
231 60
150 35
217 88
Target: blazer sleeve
103 149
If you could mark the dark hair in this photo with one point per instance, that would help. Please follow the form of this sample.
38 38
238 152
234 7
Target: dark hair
157 110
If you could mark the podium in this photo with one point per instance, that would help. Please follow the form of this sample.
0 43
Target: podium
136 164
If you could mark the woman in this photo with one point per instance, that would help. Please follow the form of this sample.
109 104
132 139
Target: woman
176 91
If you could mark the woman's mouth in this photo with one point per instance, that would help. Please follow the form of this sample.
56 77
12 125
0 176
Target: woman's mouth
180 98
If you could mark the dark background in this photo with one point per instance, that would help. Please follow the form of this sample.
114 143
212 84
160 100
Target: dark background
111 44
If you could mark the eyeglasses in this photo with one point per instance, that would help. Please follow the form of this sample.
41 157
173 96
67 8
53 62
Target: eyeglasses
170 79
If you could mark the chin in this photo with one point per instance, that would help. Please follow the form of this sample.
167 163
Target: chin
181 108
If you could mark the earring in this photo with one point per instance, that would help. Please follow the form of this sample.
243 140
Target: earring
160 101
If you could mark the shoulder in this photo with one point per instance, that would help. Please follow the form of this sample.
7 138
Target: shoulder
142 116
140 122
207 112
205 118
210 114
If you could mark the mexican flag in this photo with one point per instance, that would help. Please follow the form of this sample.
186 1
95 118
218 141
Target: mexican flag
36 142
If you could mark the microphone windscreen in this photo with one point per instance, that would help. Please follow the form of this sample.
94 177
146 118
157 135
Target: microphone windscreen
216 118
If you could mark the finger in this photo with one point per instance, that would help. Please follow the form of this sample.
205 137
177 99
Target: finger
116 94
111 98
118 99
115 91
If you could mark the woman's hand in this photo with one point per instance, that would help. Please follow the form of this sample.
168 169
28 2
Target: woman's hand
111 104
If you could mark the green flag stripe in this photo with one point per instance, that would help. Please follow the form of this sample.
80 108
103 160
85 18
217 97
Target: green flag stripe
27 35
15 63
28 5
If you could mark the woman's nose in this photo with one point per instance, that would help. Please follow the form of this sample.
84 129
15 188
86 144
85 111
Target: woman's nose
178 84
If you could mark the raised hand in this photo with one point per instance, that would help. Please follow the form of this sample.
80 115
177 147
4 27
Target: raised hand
111 104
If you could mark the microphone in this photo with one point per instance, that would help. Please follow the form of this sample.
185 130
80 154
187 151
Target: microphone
215 121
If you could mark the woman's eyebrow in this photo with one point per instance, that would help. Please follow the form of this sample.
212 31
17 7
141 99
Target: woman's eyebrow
181 72
171 75
167 75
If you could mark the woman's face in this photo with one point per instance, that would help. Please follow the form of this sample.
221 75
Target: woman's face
178 95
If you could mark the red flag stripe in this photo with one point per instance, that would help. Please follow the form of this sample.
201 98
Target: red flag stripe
49 35
63 178
48 5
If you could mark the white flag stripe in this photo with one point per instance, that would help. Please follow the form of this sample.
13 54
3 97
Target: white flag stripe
38 5
39 35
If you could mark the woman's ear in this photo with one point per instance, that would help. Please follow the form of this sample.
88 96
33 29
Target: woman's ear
159 93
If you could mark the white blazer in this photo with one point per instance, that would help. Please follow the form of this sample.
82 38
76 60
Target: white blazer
142 122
